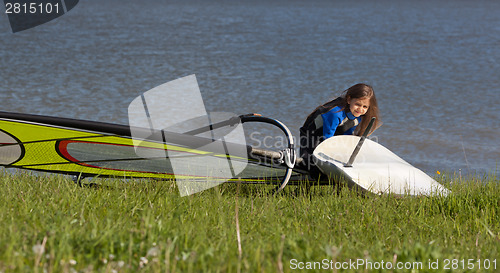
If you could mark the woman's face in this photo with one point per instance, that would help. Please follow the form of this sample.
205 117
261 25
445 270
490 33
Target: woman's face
359 106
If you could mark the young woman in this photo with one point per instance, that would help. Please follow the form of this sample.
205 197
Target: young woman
348 114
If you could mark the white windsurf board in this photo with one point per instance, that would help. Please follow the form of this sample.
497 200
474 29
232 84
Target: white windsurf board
376 169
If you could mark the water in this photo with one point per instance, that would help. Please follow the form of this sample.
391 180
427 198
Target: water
433 64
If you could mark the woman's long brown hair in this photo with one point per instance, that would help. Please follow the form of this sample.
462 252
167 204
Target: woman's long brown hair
358 91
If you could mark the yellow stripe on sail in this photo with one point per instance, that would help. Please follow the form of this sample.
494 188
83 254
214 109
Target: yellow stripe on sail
29 132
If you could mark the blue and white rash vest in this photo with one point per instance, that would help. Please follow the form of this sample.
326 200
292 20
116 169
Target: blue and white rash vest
337 122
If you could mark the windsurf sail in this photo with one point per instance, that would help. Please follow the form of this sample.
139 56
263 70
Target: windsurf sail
91 148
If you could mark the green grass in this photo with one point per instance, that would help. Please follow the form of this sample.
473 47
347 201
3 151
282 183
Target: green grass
48 224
